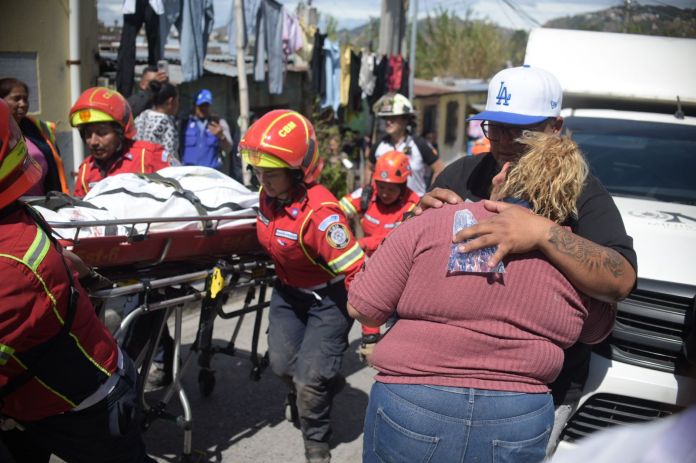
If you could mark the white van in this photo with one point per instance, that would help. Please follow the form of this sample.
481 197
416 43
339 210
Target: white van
624 97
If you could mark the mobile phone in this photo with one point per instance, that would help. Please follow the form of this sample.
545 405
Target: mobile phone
163 65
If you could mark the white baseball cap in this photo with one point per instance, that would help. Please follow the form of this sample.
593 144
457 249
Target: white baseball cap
522 96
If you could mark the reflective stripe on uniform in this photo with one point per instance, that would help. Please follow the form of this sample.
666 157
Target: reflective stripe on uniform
345 260
347 206
142 160
37 251
82 178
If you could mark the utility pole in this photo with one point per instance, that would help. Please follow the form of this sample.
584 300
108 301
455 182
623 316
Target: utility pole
412 51
242 81
392 27
626 12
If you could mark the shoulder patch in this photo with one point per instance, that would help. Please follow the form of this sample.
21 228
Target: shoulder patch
338 236
328 221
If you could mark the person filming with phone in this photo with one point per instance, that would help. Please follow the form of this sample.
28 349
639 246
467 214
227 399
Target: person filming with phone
205 138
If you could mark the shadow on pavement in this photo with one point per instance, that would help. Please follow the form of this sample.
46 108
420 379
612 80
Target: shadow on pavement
239 407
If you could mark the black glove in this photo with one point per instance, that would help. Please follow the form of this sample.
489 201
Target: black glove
94 281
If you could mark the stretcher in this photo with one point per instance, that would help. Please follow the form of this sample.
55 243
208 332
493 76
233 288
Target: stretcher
163 269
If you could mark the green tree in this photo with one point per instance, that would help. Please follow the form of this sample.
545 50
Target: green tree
451 46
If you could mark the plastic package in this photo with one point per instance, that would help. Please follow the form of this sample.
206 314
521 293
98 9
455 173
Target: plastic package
470 262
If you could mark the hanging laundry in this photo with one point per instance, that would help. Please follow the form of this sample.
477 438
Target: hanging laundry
367 74
195 25
345 75
395 73
332 70
355 92
172 10
293 38
135 14
381 69
317 65
269 43
308 32
249 9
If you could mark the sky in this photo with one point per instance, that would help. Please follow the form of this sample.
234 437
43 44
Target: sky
352 13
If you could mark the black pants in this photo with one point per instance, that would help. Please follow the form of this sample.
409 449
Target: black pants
126 51
107 432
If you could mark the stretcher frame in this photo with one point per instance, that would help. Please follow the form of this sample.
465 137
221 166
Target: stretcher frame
223 260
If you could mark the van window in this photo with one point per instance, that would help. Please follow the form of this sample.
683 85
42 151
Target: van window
639 159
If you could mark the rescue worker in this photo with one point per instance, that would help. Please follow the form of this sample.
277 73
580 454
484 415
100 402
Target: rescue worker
380 213
65 386
303 229
106 125
399 123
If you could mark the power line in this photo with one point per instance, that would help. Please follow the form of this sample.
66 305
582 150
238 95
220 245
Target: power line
521 13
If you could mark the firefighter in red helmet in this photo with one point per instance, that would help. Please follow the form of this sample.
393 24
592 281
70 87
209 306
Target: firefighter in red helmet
65 386
381 211
106 125
303 229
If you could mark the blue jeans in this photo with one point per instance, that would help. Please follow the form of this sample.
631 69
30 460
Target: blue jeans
307 336
421 423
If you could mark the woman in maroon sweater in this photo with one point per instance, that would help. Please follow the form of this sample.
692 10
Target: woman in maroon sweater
463 373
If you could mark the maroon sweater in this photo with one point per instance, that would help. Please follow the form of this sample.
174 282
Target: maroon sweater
504 333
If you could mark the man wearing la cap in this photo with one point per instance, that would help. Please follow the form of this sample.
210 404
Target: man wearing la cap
65 386
399 119
205 138
596 254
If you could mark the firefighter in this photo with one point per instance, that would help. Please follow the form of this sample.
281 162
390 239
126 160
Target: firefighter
381 211
303 229
106 125
65 386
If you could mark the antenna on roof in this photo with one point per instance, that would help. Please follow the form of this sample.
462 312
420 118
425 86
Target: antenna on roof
680 113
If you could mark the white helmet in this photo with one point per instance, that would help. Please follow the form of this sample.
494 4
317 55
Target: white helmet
393 104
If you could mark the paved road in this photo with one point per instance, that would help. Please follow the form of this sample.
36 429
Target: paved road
243 420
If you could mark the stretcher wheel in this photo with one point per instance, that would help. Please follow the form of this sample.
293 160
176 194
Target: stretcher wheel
206 382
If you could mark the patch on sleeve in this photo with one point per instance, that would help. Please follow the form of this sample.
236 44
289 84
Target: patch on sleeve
338 236
328 221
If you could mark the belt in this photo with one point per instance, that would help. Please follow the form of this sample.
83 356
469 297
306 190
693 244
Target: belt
105 389
312 291
331 282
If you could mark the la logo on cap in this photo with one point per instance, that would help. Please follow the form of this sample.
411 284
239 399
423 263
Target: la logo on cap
503 95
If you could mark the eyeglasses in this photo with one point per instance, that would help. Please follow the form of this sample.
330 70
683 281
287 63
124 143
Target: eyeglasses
494 132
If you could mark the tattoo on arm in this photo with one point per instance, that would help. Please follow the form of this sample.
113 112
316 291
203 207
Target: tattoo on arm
592 256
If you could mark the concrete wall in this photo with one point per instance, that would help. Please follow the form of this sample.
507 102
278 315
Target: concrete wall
453 149
41 27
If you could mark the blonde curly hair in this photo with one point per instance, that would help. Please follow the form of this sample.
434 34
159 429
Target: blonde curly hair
550 175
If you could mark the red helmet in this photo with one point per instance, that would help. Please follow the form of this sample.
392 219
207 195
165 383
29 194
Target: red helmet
392 167
99 104
18 171
283 139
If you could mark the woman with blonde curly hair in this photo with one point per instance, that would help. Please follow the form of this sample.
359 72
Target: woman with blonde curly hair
463 374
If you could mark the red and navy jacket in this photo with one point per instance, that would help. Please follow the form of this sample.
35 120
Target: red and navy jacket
308 238
35 295
143 157
378 220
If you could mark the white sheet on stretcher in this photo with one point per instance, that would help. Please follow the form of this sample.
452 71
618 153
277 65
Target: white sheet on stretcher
128 196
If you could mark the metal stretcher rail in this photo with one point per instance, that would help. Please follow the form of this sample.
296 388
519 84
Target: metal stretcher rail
232 261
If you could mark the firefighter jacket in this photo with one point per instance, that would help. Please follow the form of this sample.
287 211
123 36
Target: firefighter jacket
308 238
142 157
35 295
378 219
